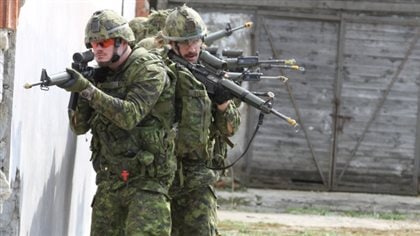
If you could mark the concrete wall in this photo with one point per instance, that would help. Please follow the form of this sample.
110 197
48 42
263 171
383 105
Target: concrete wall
57 180
8 210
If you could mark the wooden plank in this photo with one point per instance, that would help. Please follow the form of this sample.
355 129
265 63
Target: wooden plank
390 144
337 122
416 174
288 149
373 47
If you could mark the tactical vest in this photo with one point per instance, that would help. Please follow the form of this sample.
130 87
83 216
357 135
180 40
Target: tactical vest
198 142
193 147
193 113
147 151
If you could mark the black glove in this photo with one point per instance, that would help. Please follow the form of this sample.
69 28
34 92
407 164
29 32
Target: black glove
100 74
221 95
76 83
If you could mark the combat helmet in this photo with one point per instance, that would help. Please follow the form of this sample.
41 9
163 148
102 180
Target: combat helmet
138 25
144 27
106 24
156 21
182 24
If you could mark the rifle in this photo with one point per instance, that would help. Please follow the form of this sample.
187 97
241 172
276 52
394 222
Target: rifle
80 63
251 76
209 39
241 62
217 64
212 79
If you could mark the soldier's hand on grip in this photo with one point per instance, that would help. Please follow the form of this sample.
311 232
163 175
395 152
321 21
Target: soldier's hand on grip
221 95
76 83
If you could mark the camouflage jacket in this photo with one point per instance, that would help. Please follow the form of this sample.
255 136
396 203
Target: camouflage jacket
197 117
130 116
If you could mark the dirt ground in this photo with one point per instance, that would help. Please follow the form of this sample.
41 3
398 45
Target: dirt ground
246 223
280 212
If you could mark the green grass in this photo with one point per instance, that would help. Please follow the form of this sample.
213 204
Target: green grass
233 228
357 214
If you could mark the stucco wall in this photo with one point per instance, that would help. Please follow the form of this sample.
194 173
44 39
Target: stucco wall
57 180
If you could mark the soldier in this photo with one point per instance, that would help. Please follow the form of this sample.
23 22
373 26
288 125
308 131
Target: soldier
193 204
129 107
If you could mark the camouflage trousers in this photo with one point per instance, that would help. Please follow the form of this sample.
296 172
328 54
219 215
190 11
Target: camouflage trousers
129 210
194 212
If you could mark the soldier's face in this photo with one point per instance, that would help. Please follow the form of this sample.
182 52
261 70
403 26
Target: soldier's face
103 50
190 49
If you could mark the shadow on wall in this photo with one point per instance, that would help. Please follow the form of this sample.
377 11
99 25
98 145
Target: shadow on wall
53 210
79 228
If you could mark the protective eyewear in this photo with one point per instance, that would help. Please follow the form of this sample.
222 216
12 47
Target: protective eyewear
190 42
103 44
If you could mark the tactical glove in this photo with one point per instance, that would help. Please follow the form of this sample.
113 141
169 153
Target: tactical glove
76 83
221 95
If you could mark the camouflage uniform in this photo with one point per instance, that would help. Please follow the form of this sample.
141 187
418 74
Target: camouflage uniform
193 204
130 116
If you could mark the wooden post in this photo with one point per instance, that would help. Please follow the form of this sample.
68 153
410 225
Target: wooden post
9 11
142 8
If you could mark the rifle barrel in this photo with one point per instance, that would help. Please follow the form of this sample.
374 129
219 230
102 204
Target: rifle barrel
279 61
47 80
223 33
292 67
289 120
253 100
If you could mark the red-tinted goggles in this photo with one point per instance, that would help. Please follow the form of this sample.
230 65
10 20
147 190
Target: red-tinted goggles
103 44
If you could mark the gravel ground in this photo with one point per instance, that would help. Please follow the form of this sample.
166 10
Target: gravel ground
317 221
280 201
273 207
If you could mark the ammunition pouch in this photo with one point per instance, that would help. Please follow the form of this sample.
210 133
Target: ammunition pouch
149 155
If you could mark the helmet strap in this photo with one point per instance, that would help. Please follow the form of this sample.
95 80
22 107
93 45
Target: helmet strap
177 47
115 56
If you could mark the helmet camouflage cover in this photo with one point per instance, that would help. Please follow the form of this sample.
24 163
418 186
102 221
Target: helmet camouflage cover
106 24
156 21
150 26
184 23
138 25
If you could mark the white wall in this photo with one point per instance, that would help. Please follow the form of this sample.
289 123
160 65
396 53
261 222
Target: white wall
57 177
